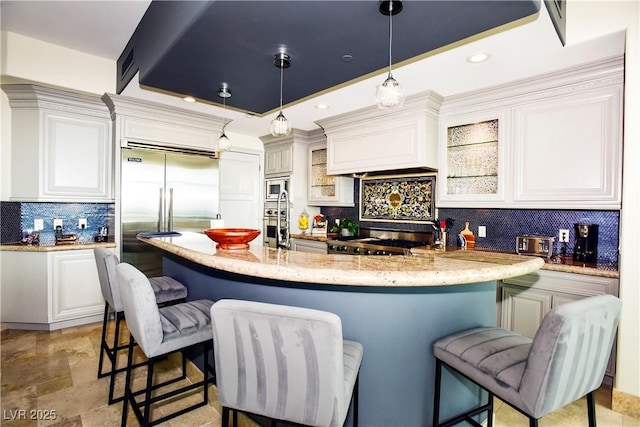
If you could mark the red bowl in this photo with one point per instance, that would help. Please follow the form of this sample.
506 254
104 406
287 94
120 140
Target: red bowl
232 238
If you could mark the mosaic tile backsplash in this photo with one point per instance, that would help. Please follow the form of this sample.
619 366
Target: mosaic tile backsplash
503 225
17 220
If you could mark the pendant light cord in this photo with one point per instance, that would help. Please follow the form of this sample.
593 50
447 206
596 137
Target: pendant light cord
390 33
281 80
224 114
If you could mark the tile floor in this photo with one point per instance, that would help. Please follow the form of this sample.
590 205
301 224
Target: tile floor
43 372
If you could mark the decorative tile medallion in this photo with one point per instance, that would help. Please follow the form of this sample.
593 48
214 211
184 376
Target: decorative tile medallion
408 198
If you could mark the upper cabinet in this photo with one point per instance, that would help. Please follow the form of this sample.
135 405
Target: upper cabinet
558 142
144 124
371 139
60 145
568 148
473 157
326 190
278 159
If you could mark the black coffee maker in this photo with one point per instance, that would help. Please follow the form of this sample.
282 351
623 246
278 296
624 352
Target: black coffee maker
586 247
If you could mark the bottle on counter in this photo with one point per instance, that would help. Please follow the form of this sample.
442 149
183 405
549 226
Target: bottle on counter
303 221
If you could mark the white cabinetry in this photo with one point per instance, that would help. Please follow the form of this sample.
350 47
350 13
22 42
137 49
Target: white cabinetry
291 153
75 287
156 125
580 135
278 159
324 189
374 140
50 290
525 300
473 158
306 245
60 146
559 143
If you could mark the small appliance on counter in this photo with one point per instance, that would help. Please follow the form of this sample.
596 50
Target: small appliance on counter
103 233
64 239
535 245
586 245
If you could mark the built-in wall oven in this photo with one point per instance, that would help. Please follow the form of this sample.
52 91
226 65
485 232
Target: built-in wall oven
270 231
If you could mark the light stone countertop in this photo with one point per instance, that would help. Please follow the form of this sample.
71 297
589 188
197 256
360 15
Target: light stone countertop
426 269
54 248
554 263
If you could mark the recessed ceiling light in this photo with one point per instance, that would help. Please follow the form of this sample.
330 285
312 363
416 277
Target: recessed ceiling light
479 57
322 107
189 99
346 58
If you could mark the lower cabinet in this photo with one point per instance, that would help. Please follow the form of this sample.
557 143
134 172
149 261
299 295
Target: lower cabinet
304 245
523 301
50 290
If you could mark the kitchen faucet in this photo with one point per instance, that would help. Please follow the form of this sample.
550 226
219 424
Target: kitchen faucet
283 241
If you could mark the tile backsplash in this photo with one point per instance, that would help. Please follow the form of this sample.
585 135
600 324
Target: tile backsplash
17 220
503 225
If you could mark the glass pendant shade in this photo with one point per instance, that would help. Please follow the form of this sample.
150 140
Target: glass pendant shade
224 144
280 126
390 94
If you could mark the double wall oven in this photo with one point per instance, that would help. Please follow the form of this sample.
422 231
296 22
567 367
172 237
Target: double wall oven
270 229
372 241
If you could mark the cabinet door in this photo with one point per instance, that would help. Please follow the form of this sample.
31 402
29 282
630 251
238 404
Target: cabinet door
523 309
302 245
568 151
473 153
279 159
76 157
24 287
326 190
75 287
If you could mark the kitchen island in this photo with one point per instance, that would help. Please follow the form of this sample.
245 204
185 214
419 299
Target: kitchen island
396 306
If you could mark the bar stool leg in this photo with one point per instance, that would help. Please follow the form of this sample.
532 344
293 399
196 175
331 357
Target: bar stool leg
103 344
114 357
436 394
128 395
147 398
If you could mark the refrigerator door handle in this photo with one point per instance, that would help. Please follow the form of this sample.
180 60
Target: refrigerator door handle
170 214
160 211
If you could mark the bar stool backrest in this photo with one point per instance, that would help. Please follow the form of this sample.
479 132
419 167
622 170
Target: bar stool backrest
280 361
106 262
140 308
569 353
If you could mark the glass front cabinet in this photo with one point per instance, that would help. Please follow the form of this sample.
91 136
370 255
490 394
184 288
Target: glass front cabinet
472 159
326 190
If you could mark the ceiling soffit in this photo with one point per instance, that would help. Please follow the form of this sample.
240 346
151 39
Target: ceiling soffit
193 48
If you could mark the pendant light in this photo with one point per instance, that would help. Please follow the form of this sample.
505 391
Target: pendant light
280 126
390 94
224 144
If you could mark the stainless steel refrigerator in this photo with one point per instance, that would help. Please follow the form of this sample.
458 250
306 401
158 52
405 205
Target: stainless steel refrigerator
164 191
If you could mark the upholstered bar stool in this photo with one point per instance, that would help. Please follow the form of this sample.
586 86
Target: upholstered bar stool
284 363
160 331
565 361
166 290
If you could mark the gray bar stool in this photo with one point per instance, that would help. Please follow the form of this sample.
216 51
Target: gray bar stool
166 290
160 331
565 361
285 363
